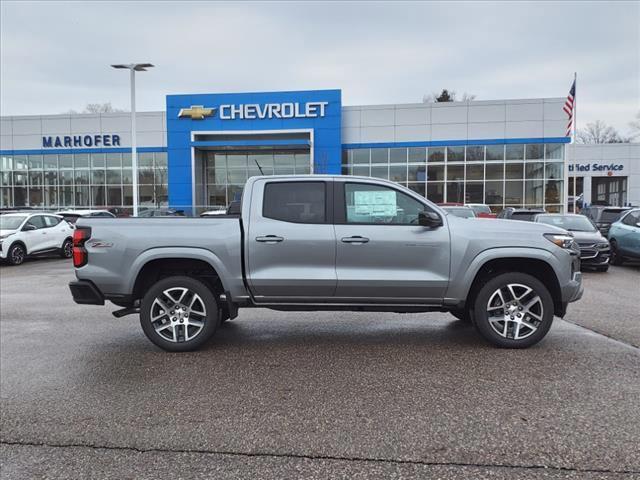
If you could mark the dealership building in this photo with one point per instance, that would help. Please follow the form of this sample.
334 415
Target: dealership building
198 152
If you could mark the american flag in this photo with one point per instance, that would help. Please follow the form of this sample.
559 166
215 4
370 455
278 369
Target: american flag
569 107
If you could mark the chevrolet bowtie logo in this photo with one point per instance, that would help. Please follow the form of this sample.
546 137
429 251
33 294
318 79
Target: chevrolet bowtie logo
196 112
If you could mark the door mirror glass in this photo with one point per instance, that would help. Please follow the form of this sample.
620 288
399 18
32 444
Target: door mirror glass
638 224
429 219
28 227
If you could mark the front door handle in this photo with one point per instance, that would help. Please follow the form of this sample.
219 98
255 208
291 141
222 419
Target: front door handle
355 239
269 239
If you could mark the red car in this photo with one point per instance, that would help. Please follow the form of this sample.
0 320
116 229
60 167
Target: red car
481 210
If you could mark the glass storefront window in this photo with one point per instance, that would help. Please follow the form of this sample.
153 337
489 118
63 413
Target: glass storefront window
513 193
145 176
534 151
97 160
97 176
50 196
533 192
417 173
160 159
6 163
495 152
435 173
303 161
514 171
51 177
217 195
279 160
475 172
361 170
82 197
534 170
50 162
19 178
554 151
66 196
455 172
20 196
397 155
127 177
475 153
553 192
474 192
419 188
145 159
380 155
494 193
455 192
379 171
237 175
66 177
20 162
35 162
554 170
436 154
494 171
35 197
114 196
81 160
65 161
113 160
417 154
360 155
435 192
35 178
126 163
114 177
98 195
455 154
397 173
514 152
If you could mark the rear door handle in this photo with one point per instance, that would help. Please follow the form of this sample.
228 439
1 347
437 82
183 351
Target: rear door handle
269 239
355 239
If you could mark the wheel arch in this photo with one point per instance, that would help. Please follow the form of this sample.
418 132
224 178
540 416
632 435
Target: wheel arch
535 262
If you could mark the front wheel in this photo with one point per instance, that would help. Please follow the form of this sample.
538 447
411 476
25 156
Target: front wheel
16 254
179 314
616 258
513 310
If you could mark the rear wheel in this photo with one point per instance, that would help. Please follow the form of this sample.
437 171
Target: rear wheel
616 258
179 314
513 310
16 254
67 249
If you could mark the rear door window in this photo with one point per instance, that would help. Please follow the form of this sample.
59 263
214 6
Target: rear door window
296 202
51 221
37 221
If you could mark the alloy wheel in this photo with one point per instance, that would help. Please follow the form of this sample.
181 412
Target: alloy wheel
515 311
68 249
178 314
17 255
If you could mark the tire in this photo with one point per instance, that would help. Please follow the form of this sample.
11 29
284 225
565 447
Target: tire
533 303
185 328
462 314
16 254
616 258
66 251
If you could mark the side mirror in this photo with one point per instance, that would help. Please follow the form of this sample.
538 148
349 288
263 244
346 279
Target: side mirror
429 219
638 224
28 227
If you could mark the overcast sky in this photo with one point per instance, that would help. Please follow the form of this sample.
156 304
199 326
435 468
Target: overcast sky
55 55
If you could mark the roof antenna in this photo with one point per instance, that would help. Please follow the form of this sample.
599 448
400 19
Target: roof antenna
259 167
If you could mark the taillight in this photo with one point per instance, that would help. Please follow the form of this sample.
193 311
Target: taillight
80 255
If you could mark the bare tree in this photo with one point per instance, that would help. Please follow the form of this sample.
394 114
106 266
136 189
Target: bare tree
447 96
634 126
98 108
599 132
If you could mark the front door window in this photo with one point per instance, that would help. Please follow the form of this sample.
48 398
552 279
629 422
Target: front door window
377 205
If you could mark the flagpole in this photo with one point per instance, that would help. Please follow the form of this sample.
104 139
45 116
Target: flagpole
575 128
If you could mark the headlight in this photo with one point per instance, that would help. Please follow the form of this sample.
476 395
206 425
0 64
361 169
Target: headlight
563 241
602 246
2 237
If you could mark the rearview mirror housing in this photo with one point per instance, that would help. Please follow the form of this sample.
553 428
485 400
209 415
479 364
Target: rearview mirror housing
429 219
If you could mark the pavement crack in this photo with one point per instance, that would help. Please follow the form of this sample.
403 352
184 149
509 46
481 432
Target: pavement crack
303 456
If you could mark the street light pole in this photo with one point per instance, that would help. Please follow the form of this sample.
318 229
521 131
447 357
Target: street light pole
133 68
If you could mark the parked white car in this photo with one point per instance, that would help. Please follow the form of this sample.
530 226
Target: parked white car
25 234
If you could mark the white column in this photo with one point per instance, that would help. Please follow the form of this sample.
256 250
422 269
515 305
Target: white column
134 151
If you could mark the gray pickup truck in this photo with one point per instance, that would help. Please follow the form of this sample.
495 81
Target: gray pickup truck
310 243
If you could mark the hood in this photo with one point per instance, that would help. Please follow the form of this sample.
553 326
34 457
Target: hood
6 232
584 237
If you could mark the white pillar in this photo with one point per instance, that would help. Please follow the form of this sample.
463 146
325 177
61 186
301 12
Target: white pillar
134 151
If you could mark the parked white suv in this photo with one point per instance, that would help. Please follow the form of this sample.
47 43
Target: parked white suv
24 234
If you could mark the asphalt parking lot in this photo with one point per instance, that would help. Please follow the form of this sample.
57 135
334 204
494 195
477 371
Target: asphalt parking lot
315 395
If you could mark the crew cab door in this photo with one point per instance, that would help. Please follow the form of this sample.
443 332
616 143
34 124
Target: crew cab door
382 254
290 244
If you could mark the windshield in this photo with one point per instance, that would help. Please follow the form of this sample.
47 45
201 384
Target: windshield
610 216
11 223
573 224
481 209
526 216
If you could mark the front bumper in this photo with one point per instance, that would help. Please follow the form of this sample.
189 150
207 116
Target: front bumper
86 293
